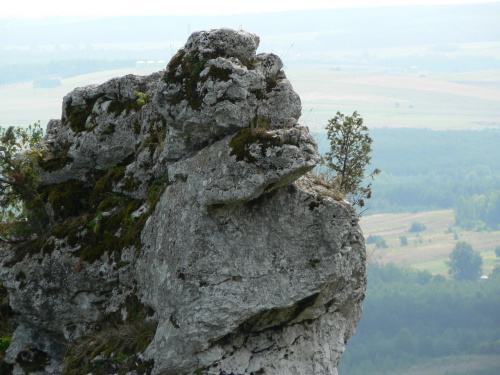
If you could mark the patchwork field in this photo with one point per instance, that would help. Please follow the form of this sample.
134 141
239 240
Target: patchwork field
453 101
430 248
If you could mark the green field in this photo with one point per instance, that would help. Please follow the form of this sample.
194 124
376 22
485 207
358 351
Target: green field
429 249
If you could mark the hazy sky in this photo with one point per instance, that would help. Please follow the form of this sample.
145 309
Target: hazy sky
38 8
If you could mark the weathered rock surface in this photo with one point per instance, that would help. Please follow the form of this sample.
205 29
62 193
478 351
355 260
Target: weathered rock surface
180 201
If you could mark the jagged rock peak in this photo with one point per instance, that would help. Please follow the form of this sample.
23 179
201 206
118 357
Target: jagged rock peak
223 43
181 231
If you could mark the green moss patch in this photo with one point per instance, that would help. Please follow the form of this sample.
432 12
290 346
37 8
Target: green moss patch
32 359
316 203
259 94
90 217
102 231
58 160
191 67
221 74
104 185
137 127
110 129
7 326
77 115
241 142
118 106
68 198
272 82
173 65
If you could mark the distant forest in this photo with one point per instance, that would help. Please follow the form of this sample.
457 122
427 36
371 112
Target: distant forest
411 317
425 170
41 72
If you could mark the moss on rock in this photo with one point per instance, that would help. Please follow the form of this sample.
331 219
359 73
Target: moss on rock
57 160
241 142
68 198
188 77
77 115
118 106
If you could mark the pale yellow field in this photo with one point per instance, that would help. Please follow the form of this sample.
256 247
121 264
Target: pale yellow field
452 365
429 249
21 104
440 102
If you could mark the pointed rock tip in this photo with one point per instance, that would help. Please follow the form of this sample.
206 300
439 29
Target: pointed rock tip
223 42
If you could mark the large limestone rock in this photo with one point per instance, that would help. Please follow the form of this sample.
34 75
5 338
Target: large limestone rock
181 201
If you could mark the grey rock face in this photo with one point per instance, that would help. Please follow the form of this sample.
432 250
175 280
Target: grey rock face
247 271
187 192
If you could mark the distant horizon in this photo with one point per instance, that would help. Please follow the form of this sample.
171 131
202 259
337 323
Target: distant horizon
59 8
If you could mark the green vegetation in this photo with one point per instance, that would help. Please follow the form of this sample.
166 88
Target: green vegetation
118 106
114 344
429 249
191 67
19 177
417 226
314 262
377 240
6 329
348 156
479 212
143 98
241 142
465 263
56 158
425 170
403 240
76 116
86 212
411 317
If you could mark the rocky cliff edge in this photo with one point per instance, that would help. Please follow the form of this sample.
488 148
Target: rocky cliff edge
183 232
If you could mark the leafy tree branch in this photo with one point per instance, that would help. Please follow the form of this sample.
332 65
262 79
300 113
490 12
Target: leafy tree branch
20 149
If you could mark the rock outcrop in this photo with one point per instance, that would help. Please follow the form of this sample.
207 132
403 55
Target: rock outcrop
183 232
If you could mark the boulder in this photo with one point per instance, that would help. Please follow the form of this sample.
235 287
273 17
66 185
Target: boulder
183 230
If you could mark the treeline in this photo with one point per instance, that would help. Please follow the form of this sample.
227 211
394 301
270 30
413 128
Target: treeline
479 212
411 316
426 170
13 73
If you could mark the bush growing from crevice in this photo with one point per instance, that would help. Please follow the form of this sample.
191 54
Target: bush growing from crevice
350 148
